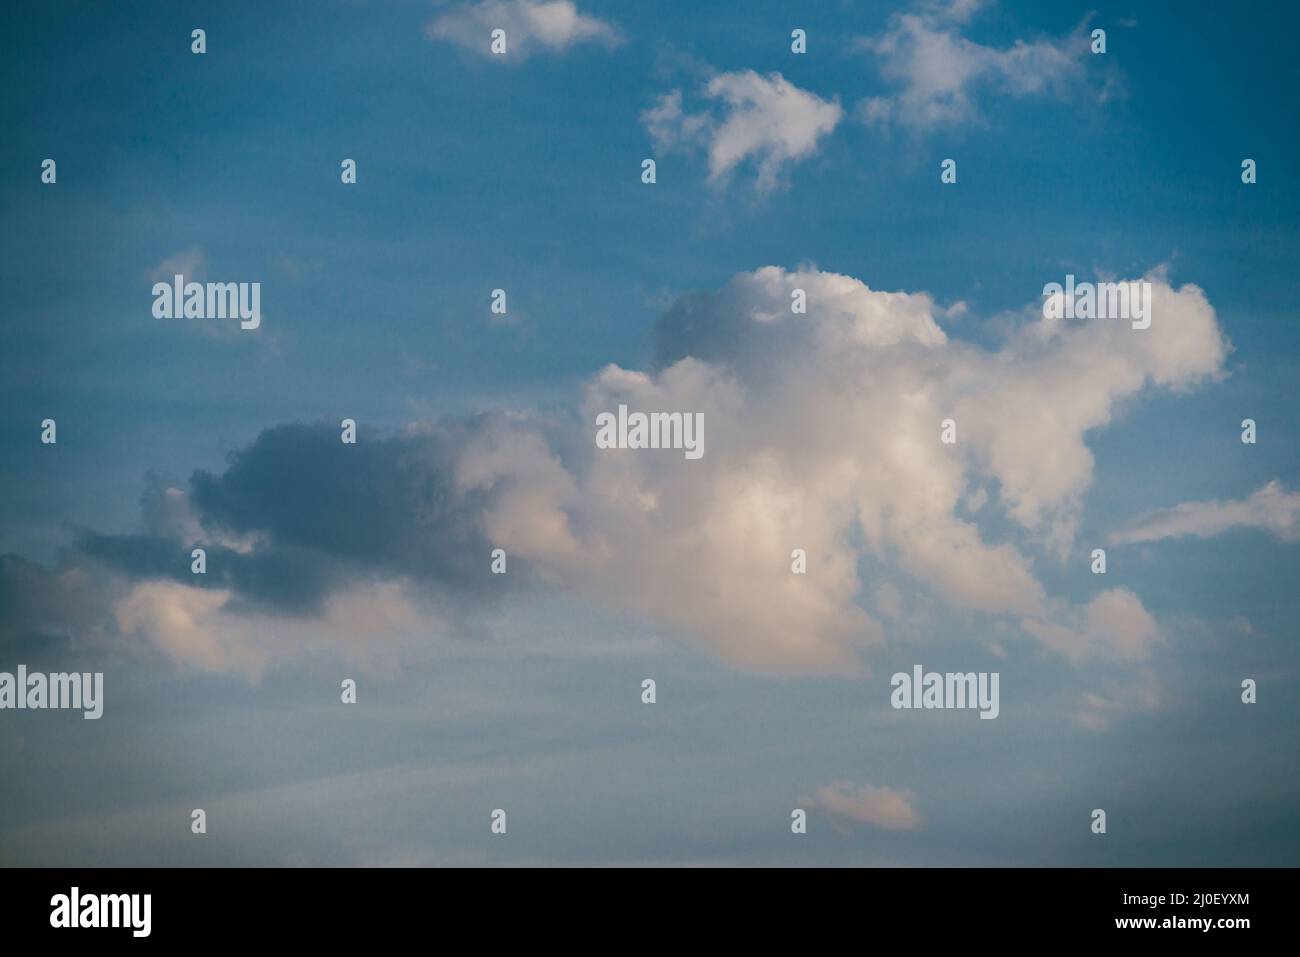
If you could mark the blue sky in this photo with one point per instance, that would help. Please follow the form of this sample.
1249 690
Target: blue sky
522 172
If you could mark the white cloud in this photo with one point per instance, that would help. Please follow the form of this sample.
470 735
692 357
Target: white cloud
937 73
530 26
1271 508
1057 380
178 620
822 429
881 807
766 119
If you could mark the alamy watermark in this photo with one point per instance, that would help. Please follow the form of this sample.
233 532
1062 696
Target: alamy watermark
949 690
651 430
1103 300
179 299
76 909
59 690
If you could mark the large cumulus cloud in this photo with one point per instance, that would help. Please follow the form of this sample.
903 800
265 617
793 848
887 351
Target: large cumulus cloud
822 433
824 430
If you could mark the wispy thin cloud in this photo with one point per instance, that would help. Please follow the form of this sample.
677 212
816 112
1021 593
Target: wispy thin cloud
939 76
1271 509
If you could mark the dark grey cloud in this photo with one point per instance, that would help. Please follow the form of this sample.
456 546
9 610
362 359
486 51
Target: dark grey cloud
388 504
694 326
45 611
738 327
286 578
296 516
